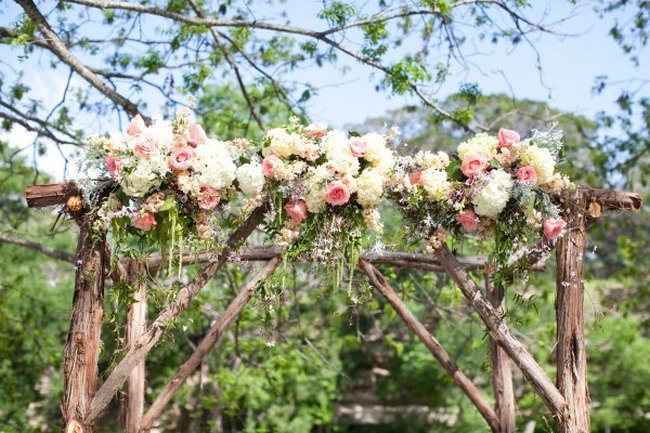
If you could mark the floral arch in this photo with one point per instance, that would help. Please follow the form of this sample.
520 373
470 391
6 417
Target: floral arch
167 187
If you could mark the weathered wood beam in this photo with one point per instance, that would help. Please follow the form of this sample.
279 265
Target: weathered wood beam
83 343
50 194
209 341
501 334
569 310
472 392
398 259
136 326
501 371
611 199
157 328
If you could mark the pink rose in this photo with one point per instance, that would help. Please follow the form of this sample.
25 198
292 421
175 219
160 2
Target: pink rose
209 198
527 174
181 158
416 178
337 193
144 222
468 219
269 164
358 146
113 165
474 164
316 130
552 228
507 138
135 126
147 144
297 210
196 135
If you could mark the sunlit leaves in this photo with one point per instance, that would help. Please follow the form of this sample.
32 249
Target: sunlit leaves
337 12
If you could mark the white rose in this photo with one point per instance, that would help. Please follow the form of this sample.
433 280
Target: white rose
490 200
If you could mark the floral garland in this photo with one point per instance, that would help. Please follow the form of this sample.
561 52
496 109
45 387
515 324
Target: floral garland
324 186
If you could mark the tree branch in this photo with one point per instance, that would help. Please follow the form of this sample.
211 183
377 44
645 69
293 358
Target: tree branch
233 66
63 53
50 252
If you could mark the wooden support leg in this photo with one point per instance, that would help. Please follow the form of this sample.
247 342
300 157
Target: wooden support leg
209 341
140 349
136 325
504 396
83 344
465 383
500 333
571 354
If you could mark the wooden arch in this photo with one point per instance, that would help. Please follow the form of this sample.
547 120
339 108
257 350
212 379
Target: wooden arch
567 399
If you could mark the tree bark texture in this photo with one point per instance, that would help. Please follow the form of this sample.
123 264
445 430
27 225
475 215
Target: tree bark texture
501 334
209 341
432 344
504 395
571 354
83 343
136 326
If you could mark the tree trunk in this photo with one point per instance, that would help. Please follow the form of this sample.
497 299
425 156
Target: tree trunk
504 395
136 325
83 343
571 354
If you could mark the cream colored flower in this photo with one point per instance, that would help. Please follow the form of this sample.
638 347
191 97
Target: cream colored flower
480 143
435 183
492 198
541 159
370 188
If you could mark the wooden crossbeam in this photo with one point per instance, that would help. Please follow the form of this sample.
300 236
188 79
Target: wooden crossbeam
209 341
466 384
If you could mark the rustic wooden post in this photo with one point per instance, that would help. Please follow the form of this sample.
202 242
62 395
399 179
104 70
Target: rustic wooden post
501 334
504 395
156 329
136 325
470 389
209 341
83 343
571 353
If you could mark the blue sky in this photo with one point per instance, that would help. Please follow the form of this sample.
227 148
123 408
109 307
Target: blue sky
569 65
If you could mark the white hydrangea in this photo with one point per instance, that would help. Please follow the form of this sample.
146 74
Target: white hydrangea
426 159
141 180
163 132
435 183
344 164
480 143
370 187
282 143
315 189
490 200
250 178
213 165
379 156
335 144
541 159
